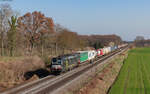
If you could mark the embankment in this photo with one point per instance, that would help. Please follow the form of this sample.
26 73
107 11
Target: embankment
104 78
14 70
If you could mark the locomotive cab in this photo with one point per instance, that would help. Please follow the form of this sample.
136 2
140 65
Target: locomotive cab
56 65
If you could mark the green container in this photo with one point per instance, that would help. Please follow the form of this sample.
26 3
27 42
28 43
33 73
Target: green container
83 56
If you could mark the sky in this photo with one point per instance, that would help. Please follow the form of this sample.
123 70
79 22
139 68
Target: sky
126 18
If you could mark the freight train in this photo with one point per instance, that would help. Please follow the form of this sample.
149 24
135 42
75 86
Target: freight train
69 61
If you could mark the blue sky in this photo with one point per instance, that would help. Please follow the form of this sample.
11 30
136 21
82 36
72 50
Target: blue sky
126 18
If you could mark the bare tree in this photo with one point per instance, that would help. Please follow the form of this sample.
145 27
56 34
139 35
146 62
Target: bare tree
139 41
139 38
68 40
34 26
5 14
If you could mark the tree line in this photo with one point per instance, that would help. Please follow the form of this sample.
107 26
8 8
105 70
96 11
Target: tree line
140 41
100 41
35 34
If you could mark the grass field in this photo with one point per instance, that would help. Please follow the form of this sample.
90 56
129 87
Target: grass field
134 77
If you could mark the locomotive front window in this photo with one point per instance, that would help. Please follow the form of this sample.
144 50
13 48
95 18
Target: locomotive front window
59 61
54 60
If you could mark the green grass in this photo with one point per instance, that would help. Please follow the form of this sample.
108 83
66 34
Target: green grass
134 77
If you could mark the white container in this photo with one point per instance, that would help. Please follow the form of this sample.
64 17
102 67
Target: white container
91 54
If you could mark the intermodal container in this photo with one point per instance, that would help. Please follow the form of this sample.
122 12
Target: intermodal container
83 56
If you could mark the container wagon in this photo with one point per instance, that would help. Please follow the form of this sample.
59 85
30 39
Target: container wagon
91 55
105 50
101 52
98 52
109 49
83 56
112 48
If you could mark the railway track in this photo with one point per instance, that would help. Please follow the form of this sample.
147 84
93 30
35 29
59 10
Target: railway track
49 84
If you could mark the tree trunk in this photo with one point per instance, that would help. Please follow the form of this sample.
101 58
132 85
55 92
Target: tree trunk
2 45
11 51
31 47
42 50
56 49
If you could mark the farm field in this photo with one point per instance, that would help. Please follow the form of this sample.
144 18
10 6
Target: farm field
134 77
